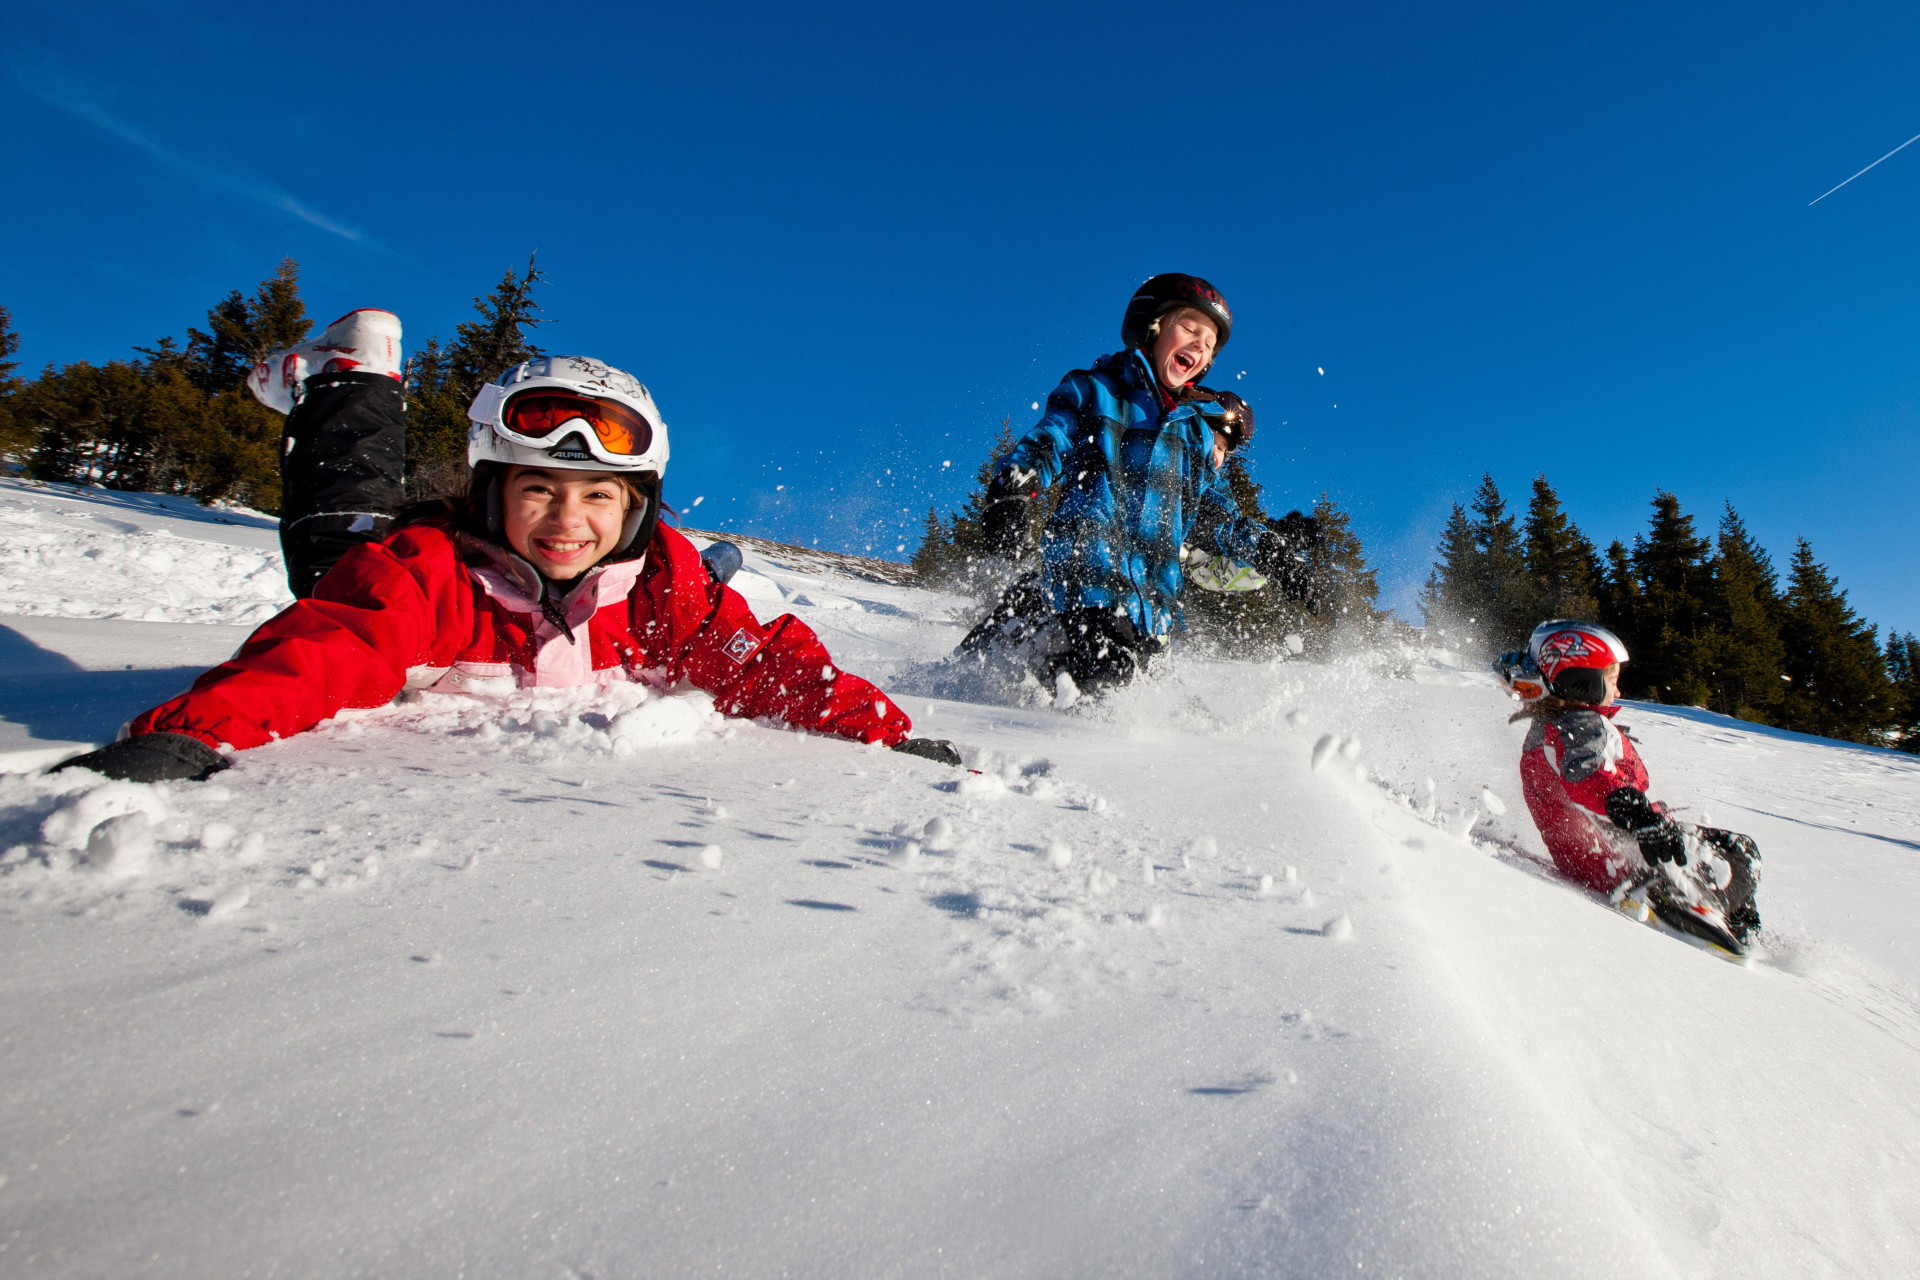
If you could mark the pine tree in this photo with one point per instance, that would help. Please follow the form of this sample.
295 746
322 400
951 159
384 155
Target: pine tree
1903 672
1620 595
1348 588
1741 655
1478 590
218 359
961 559
1837 675
1444 602
1246 625
442 381
1559 559
1671 566
242 332
933 559
12 439
1503 593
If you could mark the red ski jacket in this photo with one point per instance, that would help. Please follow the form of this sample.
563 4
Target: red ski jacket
1568 767
429 608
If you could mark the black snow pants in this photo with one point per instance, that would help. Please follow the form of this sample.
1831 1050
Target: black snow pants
341 466
1099 648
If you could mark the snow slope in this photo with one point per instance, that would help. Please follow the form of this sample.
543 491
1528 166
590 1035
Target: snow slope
612 987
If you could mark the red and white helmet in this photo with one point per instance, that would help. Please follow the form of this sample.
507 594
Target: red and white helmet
1566 645
570 412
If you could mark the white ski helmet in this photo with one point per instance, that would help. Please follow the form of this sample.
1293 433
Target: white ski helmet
569 412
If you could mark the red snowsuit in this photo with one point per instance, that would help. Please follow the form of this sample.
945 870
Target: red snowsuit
429 608
1568 767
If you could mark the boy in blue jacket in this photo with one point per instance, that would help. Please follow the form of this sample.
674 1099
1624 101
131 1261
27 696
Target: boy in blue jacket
1132 441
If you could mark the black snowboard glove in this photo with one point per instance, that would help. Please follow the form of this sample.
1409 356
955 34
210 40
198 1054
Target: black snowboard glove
938 750
1659 836
1284 555
1006 526
722 560
152 757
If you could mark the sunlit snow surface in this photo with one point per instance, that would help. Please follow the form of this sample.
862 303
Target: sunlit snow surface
606 985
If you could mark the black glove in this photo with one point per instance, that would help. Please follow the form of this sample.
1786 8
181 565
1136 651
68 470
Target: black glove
1006 526
938 750
1300 533
1283 555
722 560
152 757
1660 839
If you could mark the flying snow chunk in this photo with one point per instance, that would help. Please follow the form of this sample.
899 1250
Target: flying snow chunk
1266 885
1058 855
1036 404
710 857
1323 750
1295 645
1323 372
1065 691
937 834
216 836
1340 928
1492 803
906 854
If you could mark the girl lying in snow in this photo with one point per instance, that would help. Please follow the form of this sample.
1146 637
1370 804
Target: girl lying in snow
1587 790
554 569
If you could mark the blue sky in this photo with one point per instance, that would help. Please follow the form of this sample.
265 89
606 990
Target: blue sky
840 243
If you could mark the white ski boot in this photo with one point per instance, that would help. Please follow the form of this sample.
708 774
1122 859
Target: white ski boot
364 341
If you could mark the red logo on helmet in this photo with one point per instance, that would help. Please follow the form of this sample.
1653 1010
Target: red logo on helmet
1565 649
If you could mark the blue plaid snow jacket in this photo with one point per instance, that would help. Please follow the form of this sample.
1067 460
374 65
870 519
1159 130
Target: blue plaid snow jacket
1140 481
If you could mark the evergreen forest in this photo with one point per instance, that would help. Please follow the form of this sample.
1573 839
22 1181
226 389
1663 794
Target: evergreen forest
1709 620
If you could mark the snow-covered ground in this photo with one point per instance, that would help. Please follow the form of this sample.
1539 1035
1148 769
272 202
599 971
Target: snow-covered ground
612 988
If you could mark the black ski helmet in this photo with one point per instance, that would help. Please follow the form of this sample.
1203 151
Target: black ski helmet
1165 292
1235 419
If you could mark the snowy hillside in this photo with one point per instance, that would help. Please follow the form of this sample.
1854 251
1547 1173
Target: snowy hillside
611 987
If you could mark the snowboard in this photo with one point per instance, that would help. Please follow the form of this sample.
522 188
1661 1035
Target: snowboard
1690 902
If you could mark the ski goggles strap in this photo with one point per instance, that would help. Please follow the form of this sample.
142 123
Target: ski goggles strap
543 415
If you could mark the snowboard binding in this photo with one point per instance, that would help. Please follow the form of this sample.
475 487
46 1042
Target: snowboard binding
1710 899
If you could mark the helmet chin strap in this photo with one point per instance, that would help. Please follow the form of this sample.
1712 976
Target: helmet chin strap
496 509
636 516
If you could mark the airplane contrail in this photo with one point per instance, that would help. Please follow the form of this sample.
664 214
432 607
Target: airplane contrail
1897 150
40 75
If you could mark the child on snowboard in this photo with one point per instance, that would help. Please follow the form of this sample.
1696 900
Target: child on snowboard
552 570
1586 787
1129 442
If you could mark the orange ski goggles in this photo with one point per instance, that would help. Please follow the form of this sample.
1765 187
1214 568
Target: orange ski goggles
536 417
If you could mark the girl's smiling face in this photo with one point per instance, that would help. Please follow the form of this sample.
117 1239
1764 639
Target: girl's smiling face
1183 348
563 522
